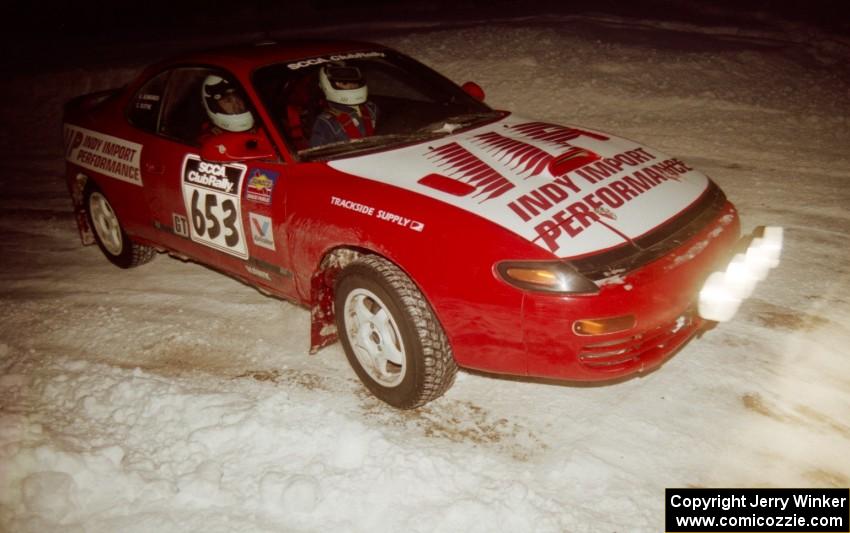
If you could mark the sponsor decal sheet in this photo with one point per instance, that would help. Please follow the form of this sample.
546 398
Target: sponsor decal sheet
108 155
569 190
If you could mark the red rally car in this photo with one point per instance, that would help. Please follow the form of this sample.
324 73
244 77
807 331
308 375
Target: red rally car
431 233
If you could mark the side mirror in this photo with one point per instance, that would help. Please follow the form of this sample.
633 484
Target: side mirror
474 90
243 146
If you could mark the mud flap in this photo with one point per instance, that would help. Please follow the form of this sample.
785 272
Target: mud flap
322 326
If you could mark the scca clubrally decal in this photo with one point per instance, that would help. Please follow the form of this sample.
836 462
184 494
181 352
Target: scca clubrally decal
211 194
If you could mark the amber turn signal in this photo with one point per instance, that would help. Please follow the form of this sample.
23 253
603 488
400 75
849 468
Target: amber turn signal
601 326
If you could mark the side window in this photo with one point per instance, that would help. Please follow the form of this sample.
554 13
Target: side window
184 115
294 102
145 106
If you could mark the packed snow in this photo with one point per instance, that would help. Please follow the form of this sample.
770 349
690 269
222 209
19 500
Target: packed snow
173 398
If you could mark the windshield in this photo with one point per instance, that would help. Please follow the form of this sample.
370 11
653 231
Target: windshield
367 101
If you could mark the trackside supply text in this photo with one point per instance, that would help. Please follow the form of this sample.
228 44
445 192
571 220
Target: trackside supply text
380 214
799 510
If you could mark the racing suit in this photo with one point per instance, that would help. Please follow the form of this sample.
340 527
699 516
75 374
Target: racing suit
341 123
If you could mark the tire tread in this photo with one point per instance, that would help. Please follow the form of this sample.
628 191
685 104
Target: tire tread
439 364
135 255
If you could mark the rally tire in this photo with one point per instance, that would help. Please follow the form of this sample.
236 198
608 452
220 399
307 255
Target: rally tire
109 234
427 367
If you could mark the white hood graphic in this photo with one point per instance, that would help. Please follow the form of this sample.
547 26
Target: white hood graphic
569 190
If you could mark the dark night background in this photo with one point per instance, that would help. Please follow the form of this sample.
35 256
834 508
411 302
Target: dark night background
45 32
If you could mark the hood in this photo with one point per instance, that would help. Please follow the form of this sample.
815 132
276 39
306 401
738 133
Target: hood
569 190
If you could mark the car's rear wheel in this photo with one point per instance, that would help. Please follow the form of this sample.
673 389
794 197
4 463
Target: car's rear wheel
110 236
390 335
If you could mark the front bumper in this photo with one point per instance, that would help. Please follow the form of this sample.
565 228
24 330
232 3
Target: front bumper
641 351
662 296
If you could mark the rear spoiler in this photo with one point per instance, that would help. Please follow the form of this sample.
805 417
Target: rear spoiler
87 102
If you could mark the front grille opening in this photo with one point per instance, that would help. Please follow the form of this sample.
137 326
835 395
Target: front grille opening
614 354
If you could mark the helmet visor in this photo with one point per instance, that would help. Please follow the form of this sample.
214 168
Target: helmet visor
224 98
345 77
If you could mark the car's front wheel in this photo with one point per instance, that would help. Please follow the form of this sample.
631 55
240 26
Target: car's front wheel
110 236
390 335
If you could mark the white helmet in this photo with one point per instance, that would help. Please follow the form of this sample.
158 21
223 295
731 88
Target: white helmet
343 85
216 88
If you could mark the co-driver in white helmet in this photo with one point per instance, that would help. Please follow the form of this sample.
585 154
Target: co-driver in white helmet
349 113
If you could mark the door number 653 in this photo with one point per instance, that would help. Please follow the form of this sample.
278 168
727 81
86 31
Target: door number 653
207 221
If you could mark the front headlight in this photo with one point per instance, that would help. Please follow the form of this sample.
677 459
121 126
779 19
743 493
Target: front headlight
545 276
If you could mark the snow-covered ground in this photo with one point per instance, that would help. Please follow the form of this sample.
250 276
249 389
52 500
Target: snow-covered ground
172 398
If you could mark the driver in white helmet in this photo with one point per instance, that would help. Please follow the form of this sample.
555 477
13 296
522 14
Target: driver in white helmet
349 113
225 107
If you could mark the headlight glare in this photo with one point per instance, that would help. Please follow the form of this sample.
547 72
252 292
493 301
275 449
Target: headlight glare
741 276
723 291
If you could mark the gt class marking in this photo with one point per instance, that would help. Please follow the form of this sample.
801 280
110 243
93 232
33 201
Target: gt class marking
180 224
212 200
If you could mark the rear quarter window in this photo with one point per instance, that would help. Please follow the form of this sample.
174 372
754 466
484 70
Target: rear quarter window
146 104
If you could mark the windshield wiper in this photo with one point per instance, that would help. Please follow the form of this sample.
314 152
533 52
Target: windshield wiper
450 124
433 130
366 143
